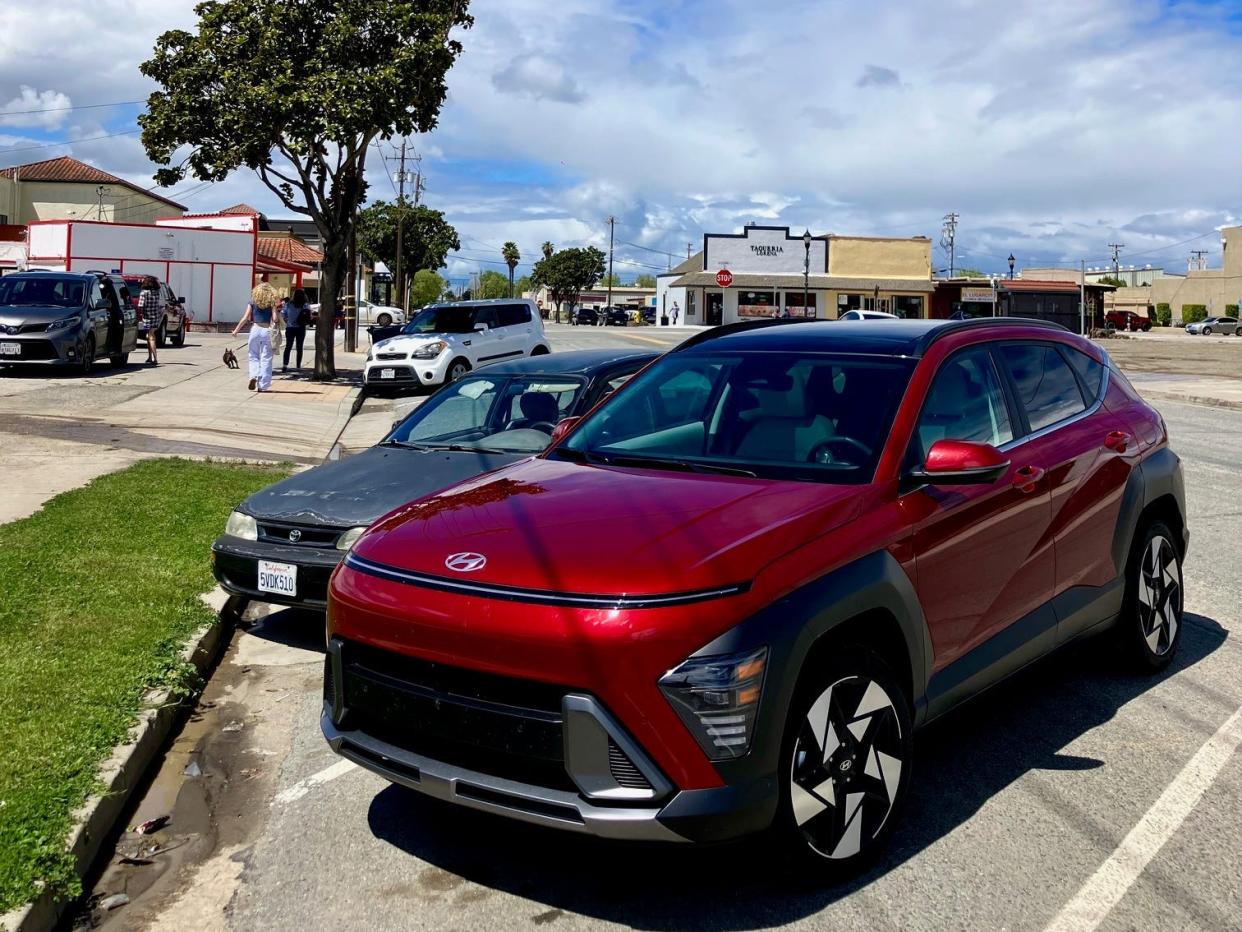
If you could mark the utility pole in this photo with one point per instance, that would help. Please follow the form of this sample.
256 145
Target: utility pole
1198 260
612 224
689 250
100 192
948 240
1082 299
1116 248
400 226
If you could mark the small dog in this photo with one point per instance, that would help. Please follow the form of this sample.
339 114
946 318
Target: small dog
230 359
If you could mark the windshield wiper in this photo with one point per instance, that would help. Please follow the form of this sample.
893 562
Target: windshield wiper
651 462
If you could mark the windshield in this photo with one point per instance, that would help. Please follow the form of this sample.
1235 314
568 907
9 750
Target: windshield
446 319
505 414
42 291
771 415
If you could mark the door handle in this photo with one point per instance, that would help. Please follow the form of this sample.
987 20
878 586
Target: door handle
1027 478
1118 440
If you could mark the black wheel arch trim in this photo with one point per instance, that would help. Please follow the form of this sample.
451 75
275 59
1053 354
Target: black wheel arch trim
1157 477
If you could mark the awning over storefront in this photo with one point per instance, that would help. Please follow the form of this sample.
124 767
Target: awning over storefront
815 282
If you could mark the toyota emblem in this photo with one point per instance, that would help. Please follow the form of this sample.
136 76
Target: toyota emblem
294 536
466 562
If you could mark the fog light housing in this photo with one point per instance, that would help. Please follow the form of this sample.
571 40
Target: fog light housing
717 698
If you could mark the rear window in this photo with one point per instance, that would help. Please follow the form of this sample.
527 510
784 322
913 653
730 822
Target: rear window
1090 371
513 314
1046 385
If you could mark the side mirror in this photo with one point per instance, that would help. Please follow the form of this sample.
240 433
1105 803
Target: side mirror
481 328
961 462
180 301
562 429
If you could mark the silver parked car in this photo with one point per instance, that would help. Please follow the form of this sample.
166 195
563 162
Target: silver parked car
1225 325
65 319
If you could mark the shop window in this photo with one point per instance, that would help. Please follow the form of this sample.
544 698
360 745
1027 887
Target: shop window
793 304
849 302
756 304
692 303
907 306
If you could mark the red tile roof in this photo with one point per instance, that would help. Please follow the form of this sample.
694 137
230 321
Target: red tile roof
1027 284
69 170
289 250
242 209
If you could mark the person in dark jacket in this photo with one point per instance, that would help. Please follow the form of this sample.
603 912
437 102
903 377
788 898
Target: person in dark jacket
297 315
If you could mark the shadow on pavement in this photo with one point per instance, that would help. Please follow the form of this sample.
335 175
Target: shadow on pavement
960 763
292 627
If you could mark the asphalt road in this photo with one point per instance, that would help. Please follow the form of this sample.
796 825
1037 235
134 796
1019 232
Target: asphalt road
1019 805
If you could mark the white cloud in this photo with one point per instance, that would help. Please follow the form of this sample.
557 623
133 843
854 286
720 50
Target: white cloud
46 109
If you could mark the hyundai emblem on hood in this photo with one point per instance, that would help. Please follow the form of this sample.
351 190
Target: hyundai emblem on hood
466 562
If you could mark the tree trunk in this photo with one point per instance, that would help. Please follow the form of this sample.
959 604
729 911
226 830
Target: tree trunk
510 283
332 275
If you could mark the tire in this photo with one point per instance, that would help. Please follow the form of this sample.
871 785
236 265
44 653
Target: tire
457 369
179 339
1207 331
1150 626
840 803
119 360
87 362
384 320
540 351
161 337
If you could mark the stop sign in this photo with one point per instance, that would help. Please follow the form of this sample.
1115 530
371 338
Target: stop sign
724 278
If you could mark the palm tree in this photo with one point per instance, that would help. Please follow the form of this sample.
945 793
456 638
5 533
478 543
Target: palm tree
509 252
548 249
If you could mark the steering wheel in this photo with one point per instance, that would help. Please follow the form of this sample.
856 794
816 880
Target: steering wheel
546 426
822 452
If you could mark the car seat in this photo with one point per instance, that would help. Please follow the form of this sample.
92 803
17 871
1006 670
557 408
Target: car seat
537 408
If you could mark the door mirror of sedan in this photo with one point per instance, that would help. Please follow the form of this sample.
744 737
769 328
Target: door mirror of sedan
562 429
961 462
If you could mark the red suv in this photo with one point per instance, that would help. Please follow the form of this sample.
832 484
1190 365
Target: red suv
723 602
1128 320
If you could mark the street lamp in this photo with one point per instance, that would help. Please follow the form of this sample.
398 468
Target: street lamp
1011 262
806 271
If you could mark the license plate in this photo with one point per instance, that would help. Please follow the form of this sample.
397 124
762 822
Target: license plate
278 578
10 349
388 373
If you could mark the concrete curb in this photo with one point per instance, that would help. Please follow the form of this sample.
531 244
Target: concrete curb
123 772
1190 399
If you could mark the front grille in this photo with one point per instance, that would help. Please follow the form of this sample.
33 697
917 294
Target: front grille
306 535
497 725
399 374
623 769
390 356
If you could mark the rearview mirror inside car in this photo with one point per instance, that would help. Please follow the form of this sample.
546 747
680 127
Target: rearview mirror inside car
961 462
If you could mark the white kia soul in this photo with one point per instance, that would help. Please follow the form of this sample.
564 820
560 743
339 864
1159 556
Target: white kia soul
445 341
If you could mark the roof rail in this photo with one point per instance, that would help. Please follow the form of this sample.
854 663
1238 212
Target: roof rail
956 326
741 326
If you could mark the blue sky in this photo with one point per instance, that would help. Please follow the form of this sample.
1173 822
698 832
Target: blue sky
1052 127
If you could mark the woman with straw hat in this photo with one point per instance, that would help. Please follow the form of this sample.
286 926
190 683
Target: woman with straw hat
260 311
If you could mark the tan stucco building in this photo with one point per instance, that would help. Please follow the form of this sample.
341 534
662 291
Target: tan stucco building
67 189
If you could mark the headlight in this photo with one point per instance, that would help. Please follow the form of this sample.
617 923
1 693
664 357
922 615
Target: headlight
243 526
349 538
64 323
717 698
430 351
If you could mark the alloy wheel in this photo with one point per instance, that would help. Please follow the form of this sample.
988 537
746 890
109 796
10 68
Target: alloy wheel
1160 595
458 371
847 767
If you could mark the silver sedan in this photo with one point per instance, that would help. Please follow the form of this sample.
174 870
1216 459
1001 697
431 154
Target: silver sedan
1226 325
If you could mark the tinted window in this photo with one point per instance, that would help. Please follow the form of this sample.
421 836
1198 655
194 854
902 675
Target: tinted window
443 319
965 403
511 315
486 315
42 290
1090 371
1046 385
777 415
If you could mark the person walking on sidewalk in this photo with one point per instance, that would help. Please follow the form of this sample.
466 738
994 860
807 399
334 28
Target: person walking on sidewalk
260 312
152 312
296 314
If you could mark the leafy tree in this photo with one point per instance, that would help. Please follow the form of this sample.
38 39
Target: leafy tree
568 273
509 252
426 237
970 273
231 95
547 249
612 278
427 288
492 285
523 285
1111 280
645 281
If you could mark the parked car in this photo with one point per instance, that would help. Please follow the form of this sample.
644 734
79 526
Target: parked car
1127 321
648 316
723 601
66 319
445 341
380 315
175 318
584 316
616 317
1224 325
868 315
282 544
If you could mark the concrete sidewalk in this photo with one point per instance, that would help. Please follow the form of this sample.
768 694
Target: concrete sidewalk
1203 390
58 431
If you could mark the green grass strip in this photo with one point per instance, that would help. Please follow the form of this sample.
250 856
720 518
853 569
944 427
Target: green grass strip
98 594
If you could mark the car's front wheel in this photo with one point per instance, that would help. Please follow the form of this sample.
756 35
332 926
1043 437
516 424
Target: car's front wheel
458 369
87 362
384 320
1151 613
846 763
1206 331
179 339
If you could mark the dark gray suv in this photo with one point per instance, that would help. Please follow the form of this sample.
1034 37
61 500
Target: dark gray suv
65 319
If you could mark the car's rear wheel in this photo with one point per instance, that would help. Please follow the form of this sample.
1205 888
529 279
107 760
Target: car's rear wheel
845 765
1151 613
539 351
384 320
458 369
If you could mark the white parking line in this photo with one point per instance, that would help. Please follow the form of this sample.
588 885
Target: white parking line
1109 883
302 787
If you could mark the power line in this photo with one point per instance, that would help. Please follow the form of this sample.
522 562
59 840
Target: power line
119 103
1116 248
70 142
948 240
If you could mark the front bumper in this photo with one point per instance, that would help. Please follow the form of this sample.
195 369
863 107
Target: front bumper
235 563
60 349
407 372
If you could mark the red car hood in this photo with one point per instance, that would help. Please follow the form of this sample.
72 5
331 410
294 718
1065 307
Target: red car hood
564 527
